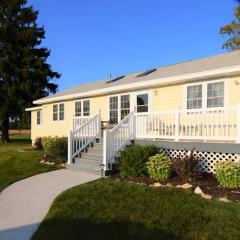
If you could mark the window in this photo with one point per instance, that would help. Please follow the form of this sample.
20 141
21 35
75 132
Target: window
61 111
142 103
215 94
58 112
82 108
125 105
39 113
113 106
194 96
55 112
78 109
86 108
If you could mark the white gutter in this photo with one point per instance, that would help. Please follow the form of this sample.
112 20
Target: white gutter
33 109
146 84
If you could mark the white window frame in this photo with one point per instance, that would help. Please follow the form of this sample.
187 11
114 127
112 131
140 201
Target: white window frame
118 107
204 93
58 112
81 101
40 117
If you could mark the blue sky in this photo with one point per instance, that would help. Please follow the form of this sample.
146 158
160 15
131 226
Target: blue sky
89 39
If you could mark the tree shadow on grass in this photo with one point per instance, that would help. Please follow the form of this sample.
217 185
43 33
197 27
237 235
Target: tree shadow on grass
81 229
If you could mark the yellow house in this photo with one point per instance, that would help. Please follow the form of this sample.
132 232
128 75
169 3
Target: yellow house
195 102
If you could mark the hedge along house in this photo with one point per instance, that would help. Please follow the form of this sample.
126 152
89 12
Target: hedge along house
181 106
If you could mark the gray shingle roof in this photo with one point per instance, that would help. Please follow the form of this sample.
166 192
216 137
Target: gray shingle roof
204 64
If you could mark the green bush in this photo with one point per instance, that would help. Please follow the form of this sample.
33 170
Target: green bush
133 159
56 147
159 166
228 174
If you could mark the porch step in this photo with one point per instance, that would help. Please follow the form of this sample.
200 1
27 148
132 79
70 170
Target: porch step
90 160
98 145
91 156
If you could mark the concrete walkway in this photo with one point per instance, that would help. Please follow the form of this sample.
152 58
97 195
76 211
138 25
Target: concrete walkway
24 204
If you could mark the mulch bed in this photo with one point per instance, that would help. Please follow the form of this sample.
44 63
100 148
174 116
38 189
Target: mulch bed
207 183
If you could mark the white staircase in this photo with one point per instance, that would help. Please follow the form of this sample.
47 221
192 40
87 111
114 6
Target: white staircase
88 152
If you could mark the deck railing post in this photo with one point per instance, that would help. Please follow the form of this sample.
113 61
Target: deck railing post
133 120
99 124
238 124
105 160
70 147
177 116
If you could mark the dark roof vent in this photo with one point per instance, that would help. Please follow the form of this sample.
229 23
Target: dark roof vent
115 79
146 72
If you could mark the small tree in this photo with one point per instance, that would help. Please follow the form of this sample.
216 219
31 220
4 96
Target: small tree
233 30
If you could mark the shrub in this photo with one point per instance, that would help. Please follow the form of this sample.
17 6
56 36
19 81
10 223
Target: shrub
133 159
186 166
159 166
56 147
38 143
228 174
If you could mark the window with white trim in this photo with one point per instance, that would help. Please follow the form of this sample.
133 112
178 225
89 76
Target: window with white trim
61 111
125 105
78 109
215 94
55 112
194 96
142 102
82 108
39 117
113 110
205 95
86 108
58 112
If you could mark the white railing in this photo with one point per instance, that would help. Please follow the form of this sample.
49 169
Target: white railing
117 138
79 139
77 122
218 124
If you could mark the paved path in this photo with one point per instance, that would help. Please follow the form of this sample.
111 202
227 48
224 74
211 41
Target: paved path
24 204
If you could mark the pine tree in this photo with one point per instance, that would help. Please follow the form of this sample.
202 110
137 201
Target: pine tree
233 30
24 73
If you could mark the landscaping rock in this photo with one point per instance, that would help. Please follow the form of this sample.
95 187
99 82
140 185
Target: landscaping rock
198 190
185 186
224 199
206 196
169 185
157 184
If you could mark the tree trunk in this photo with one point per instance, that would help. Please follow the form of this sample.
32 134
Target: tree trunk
5 128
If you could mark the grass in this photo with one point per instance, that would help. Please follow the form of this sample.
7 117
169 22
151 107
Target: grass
15 166
107 209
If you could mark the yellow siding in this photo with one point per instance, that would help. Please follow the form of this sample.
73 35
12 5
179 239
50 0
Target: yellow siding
168 98
233 91
160 98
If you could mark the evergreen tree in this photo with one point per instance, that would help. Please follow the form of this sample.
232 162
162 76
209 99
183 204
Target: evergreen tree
24 73
233 30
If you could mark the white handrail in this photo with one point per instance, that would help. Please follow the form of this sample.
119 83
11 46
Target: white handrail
117 138
79 139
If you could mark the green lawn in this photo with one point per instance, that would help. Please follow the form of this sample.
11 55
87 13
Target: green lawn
107 209
15 165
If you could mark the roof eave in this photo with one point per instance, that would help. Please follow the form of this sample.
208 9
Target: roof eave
228 71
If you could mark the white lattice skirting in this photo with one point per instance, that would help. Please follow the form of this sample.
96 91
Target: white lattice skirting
207 159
